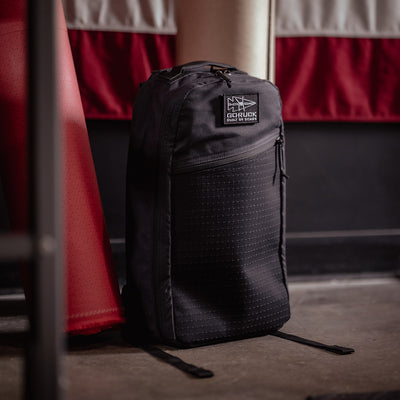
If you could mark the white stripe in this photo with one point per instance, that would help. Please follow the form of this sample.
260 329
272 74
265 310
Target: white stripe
321 234
339 18
343 234
117 241
144 16
17 297
342 283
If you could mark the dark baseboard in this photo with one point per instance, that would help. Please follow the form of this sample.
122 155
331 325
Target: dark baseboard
306 257
349 255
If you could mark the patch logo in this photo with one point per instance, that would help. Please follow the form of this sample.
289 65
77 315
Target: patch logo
240 109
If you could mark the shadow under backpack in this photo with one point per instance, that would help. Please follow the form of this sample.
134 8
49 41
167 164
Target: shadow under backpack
205 211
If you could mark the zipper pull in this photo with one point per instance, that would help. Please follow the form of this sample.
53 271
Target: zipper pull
279 161
222 74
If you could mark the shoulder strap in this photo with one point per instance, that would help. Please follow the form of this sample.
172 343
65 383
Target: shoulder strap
202 373
140 340
331 348
193 370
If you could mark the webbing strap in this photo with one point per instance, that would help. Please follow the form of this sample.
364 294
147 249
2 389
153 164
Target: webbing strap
331 348
178 363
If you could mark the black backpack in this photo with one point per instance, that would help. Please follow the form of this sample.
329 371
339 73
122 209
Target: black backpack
205 227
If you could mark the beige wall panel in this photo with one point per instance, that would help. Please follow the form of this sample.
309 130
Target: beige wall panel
230 31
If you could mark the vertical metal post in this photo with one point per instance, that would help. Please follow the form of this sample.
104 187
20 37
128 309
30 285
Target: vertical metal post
271 41
43 365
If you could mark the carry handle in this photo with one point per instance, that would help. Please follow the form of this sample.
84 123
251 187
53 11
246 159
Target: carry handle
194 66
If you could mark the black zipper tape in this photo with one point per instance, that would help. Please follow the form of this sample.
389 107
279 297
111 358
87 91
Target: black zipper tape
223 159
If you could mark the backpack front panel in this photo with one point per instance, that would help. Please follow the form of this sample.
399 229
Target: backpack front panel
228 273
227 278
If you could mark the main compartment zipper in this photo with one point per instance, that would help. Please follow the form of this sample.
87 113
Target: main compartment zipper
184 166
222 73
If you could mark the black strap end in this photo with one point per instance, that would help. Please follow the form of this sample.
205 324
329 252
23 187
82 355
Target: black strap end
331 348
198 372
191 369
340 350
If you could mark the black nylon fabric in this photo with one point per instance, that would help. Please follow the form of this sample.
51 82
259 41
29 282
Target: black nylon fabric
186 285
227 278
201 132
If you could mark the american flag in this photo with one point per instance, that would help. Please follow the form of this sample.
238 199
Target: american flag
336 60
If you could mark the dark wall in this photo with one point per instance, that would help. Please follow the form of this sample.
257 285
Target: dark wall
343 177
343 195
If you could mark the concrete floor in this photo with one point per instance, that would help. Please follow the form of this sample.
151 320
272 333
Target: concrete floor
361 312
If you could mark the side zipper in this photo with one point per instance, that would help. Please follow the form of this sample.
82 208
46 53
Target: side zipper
193 370
279 158
156 230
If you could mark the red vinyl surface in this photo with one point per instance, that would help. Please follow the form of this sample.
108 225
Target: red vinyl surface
93 299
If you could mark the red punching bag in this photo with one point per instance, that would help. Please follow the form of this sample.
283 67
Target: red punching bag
93 299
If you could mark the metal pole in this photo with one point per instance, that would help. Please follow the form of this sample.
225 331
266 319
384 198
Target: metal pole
43 366
271 42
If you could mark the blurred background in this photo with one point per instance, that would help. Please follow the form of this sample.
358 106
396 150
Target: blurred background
336 65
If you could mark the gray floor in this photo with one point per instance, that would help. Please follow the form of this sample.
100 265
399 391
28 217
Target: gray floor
360 312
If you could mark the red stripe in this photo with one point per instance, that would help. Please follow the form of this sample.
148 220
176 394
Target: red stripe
320 78
111 65
339 79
